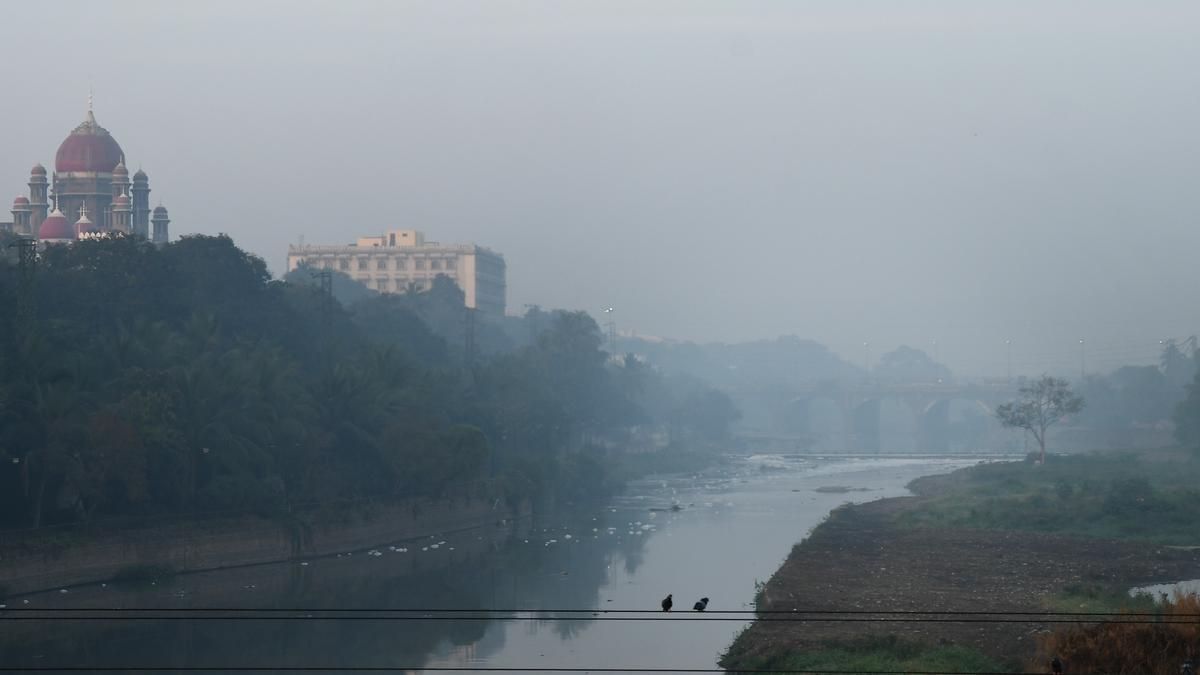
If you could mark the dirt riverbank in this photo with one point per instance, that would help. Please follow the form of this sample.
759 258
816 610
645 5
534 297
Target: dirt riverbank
864 558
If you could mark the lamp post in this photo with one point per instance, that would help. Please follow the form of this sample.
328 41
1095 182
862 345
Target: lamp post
612 331
1008 359
1082 362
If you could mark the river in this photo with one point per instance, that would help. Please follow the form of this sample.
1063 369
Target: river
734 527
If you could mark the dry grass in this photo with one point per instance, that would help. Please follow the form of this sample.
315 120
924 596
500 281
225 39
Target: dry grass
1151 648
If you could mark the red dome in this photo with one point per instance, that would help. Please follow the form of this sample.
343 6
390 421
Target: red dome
55 226
38 170
88 148
120 170
21 201
121 200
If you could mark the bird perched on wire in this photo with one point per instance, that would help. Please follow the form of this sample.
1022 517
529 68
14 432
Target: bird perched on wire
1056 666
701 606
667 603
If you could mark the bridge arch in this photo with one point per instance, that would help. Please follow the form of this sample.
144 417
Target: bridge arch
956 424
886 423
824 419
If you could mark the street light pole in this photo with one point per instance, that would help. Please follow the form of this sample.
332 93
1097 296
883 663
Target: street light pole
1082 362
1008 358
612 331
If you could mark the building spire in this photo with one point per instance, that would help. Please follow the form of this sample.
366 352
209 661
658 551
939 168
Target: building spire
91 118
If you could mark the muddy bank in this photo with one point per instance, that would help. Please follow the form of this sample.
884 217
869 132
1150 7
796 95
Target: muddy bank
862 558
53 558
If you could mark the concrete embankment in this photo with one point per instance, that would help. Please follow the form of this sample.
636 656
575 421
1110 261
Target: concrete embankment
56 557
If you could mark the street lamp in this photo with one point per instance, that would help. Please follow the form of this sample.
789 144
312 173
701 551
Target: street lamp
1008 358
1082 362
612 331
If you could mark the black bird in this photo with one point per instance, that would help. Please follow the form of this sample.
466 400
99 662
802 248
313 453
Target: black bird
1056 666
701 606
667 603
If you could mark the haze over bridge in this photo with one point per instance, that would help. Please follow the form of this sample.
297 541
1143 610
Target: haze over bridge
854 416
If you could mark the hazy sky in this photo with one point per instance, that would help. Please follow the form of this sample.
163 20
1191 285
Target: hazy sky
888 172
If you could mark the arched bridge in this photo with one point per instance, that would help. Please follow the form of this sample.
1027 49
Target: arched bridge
876 416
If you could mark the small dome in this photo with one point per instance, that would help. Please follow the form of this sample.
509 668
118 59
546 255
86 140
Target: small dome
37 170
120 170
140 175
121 200
21 201
160 210
55 226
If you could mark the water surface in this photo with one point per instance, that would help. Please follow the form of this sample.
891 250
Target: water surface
734 528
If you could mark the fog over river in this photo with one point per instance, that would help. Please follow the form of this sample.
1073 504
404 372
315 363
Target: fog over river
735 526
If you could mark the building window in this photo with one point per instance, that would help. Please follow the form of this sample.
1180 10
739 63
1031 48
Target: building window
419 264
435 264
327 264
450 263
362 263
344 264
400 264
381 264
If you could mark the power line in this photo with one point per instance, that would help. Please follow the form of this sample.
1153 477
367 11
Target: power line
484 612
475 669
486 669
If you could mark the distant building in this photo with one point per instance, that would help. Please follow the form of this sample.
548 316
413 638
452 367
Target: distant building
90 191
401 259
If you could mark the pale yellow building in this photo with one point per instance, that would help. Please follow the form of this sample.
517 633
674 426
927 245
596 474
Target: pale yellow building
391 262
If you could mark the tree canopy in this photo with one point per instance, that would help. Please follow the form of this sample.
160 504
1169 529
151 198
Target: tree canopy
182 378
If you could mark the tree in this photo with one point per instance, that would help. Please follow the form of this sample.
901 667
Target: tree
1040 406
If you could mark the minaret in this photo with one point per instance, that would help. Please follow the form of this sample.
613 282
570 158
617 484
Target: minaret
38 205
21 213
141 204
160 224
120 186
120 214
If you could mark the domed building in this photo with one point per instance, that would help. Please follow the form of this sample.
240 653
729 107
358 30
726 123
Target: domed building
90 187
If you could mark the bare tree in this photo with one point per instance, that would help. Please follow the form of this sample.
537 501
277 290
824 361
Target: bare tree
1040 406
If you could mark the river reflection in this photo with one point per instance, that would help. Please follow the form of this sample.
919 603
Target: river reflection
735 526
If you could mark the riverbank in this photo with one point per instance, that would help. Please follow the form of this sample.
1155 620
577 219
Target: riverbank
1003 537
51 558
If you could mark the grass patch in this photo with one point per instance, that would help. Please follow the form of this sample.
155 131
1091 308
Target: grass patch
1098 598
875 654
1104 496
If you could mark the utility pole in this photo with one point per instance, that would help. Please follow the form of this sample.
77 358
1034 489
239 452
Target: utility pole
612 331
325 279
469 337
27 283
1082 362
1008 358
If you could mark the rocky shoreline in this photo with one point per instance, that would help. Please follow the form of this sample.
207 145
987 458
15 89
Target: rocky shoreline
863 558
